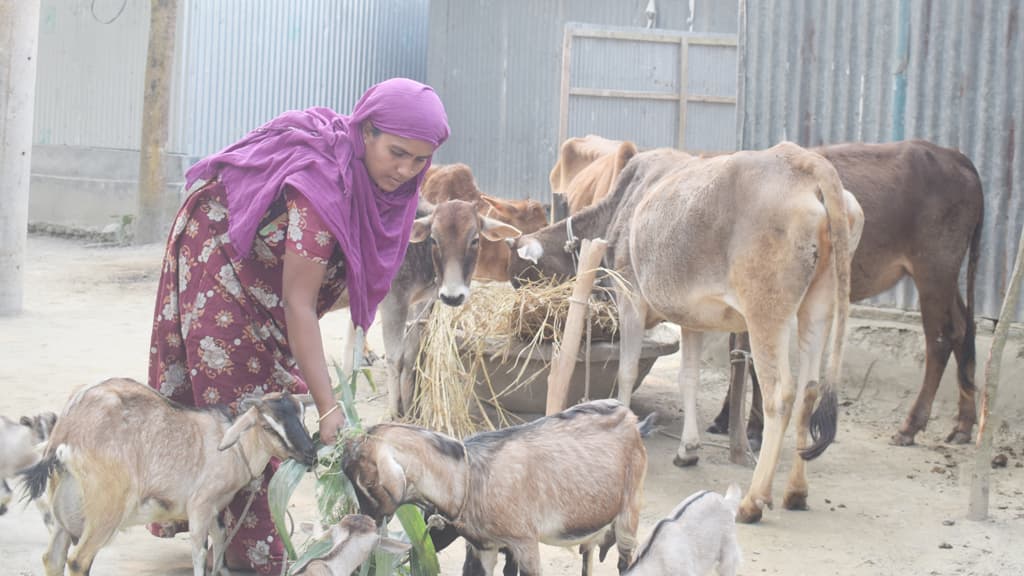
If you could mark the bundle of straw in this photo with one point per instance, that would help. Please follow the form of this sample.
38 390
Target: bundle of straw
458 342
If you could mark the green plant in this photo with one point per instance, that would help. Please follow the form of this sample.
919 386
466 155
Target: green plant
336 498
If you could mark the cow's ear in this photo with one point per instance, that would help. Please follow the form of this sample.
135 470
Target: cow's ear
421 229
495 230
531 250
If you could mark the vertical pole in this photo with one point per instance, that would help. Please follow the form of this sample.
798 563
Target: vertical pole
899 88
152 223
978 505
19 39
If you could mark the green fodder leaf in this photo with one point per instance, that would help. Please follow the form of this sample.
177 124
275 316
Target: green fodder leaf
279 493
348 396
423 557
316 549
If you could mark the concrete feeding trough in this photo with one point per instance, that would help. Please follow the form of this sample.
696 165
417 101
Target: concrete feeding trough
531 397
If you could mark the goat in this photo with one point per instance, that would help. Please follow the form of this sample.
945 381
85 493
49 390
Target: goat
122 454
19 449
353 538
699 533
497 488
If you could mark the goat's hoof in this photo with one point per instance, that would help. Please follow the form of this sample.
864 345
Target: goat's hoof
795 501
958 437
685 461
902 439
3 509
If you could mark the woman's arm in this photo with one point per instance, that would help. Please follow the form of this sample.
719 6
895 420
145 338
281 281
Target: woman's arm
301 288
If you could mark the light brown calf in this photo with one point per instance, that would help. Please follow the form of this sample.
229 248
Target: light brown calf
587 168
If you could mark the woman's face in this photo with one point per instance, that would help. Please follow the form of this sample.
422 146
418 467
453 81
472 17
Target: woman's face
392 160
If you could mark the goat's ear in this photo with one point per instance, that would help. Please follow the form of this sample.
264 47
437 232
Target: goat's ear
495 230
245 404
393 545
421 229
241 424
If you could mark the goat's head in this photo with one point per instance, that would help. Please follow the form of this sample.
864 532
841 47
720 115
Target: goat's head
352 540
454 230
280 416
41 425
377 477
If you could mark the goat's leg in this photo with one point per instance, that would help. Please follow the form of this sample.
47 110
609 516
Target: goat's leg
56 556
479 562
198 530
218 543
689 377
729 558
587 551
5 496
528 557
96 535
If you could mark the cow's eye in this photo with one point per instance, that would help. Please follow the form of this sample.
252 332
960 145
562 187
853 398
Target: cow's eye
475 241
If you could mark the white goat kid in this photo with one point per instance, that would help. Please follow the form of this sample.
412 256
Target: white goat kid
698 534
352 539
122 454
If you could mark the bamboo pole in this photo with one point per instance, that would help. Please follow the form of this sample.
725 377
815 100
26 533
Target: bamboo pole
978 506
591 252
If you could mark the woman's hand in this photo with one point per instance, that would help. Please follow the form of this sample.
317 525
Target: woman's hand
330 425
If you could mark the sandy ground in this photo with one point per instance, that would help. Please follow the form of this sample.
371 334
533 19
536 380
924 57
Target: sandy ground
875 508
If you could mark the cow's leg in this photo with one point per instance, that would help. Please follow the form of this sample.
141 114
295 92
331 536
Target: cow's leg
394 312
348 353
937 304
769 341
414 331
632 313
689 377
814 326
963 349
755 421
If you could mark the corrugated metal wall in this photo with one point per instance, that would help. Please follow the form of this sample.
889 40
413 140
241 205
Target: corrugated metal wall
245 61
239 63
949 71
497 66
90 73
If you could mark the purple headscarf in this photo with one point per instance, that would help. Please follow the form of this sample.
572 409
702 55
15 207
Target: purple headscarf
319 153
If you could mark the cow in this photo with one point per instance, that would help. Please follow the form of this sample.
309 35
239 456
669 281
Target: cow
587 168
455 182
923 211
691 257
438 265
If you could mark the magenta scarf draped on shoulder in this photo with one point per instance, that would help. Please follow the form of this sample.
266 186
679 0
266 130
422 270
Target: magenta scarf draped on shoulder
319 153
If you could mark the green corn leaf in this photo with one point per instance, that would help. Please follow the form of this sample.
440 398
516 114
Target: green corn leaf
279 493
423 556
316 549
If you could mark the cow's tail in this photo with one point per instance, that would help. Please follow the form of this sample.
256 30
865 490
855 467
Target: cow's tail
825 419
966 362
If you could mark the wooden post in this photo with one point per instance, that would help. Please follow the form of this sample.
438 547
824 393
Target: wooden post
978 506
562 366
152 224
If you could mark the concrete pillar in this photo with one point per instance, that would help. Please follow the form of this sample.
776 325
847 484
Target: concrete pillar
19 33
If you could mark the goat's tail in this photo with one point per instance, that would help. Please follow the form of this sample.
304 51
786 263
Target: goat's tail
732 498
646 426
36 476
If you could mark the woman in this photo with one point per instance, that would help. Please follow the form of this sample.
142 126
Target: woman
309 206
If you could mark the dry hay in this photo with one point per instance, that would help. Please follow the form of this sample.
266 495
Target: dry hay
496 322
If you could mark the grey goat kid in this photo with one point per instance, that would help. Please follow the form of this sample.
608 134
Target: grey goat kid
561 480
352 539
20 447
122 454
698 534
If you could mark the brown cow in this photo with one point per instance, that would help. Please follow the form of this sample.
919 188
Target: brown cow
923 210
691 257
587 168
455 182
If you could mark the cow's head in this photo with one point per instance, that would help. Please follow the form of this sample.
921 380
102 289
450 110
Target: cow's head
543 255
526 215
454 230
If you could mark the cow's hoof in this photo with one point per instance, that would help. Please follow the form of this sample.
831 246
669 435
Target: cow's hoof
901 439
755 442
685 461
958 437
795 501
749 513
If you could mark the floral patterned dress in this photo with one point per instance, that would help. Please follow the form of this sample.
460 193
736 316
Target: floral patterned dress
219 330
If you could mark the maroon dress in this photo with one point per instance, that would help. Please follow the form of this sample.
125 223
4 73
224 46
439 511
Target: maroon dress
219 329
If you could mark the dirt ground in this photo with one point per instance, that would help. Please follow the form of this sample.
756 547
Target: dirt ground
875 508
